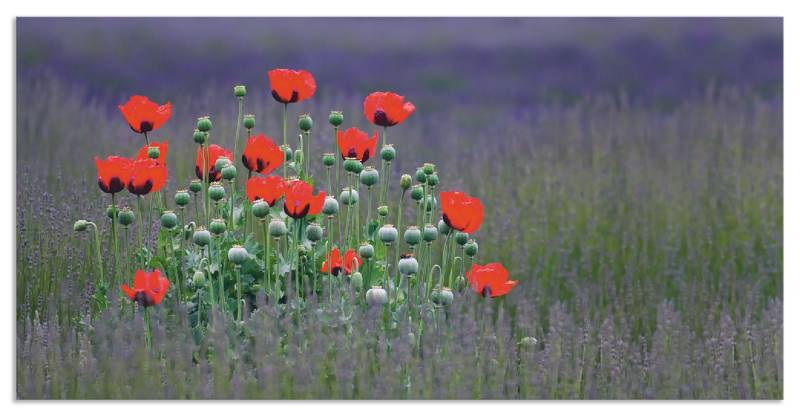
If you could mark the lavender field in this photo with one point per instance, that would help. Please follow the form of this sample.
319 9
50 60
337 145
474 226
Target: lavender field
630 170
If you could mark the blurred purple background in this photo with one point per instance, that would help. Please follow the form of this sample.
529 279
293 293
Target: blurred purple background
440 62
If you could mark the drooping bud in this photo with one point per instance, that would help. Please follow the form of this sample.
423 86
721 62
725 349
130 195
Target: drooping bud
388 153
198 279
201 237
428 168
377 296
383 211
412 236
328 159
182 198
199 137
349 196
239 91
238 255
204 123
216 191
356 280
417 192
407 265
221 162
305 123
461 238
330 207
443 228
430 233
442 296
314 232
366 251
387 233
229 172
336 118
299 157
528 342
369 176
80 225
405 181
169 220
260 209
287 153
277 228
471 248
153 152
195 185
126 216
217 226
461 283
249 121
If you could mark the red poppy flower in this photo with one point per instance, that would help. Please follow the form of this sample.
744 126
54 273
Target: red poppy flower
290 86
300 200
148 288
113 173
261 154
162 148
355 143
386 108
214 153
461 211
144 115
147 175
334 261
491 279
267 188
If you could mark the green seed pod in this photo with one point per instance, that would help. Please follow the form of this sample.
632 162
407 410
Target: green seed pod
349 196
229 172
169 220
126 216
153 152
299 157
305 123
462 238
443 228
201 237
199 137
260 209
471 248
377 296
80 225
277 228
221 162
350 164
217 226
287 153
407 265
433 179
387 233
110 211
238 255
198 279
420 176
383 211
369 176
336 118
417 193
204 123
239 91
328 159
330 207
405 181
195 185
356 280
430 233
249 121
388 153
216 191
428 168
358 167
442 296
314 232
430 203
182 198
366 251
412 236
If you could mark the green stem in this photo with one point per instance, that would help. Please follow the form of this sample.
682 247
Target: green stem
114 236
285 145
267 280
148 331
369 207
238 128
97 247
141 220
238 292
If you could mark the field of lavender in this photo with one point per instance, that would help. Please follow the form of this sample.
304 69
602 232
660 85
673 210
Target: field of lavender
643 221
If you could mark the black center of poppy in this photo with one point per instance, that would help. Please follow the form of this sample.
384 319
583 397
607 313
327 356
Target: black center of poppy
145 126
486 292
141 189
260 165
292 99
297 214
336 270
380 118
246 163
447 220
352 152
142 299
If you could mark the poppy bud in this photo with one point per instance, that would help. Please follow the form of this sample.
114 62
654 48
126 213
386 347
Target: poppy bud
249 121
169 220
277 228
377 296
420 175
80 225
369 176
383 211
298 157
237 255
199 137
388 153
405 181
153 152
430 203
110 211
417 192
336 118
471 248
287 153
195 185
407 265
443 227
260 209
349 196
216 191
350 164
221 162
428 168
314 232
330 207
429 233
239 91
126 216
217 226
198 279
387 233
204 124
328 159
412 236
229 172
356 280
461 283
442 296
305 122
462 238
433 179
182 198
201 237
366 251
